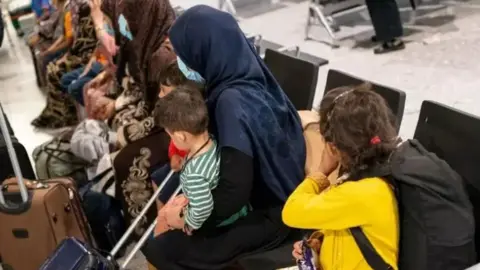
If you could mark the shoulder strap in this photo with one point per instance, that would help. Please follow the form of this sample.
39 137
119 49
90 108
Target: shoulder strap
372 257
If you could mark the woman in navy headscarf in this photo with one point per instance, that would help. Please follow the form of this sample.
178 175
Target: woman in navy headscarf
260 138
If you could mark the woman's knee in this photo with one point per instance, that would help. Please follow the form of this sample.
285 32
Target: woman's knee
67 79
166 249
75 90
152 251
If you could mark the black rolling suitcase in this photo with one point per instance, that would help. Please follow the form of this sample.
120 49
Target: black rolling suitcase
23 159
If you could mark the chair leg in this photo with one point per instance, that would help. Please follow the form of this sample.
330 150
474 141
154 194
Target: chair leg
309 23
324 21
228 6
317 12
6 31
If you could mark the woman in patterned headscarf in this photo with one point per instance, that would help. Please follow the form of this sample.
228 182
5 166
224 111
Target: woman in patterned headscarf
60 110
141 31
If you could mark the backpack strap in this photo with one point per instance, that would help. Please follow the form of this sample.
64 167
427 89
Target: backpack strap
372 257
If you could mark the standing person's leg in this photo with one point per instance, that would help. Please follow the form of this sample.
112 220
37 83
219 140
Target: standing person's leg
386 21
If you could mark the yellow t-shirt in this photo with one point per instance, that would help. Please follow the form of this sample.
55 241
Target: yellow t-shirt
369 203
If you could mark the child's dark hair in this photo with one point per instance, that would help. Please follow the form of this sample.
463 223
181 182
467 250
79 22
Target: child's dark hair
358 122
172 76
183 109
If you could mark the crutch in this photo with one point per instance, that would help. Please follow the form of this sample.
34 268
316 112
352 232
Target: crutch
134 224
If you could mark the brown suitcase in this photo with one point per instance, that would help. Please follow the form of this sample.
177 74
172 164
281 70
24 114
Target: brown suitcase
53 213
36 216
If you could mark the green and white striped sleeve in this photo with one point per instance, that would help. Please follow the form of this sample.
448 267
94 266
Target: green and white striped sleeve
199 195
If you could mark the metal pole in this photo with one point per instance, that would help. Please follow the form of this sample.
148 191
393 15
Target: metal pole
146 235
134 224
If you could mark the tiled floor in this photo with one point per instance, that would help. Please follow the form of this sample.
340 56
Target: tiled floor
440 63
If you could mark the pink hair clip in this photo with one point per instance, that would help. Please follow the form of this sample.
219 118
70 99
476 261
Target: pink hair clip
375 140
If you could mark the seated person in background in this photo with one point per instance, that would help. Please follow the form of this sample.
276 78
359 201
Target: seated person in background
60 110
61 44
359 134
184 116
45 30
41 8
74 81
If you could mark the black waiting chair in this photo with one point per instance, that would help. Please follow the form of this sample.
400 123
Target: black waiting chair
395 98
264 45
453 136
297 77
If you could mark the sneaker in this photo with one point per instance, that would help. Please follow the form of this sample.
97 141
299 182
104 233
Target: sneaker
390 46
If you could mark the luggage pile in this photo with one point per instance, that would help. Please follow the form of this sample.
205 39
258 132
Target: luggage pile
47 219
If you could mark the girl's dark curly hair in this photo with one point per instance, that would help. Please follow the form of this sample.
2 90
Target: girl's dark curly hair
358 122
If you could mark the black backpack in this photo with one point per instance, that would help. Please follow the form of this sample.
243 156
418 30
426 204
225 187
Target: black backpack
437 226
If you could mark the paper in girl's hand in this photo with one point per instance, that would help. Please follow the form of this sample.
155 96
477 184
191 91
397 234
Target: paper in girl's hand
309 258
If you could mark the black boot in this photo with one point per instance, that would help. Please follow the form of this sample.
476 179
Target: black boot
390 46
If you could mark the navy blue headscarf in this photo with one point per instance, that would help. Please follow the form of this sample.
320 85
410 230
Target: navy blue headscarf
249 110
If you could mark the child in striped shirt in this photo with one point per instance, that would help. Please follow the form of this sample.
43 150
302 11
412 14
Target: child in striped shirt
184 116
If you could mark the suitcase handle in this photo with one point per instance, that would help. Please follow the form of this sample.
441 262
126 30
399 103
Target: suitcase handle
5 206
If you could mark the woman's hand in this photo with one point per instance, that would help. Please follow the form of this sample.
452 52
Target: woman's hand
104 108
96 11
100 80
173 211
33 40
187 230
108 46
62 60
297 252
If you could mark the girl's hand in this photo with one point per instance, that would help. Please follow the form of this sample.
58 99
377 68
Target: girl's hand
297 252
329 161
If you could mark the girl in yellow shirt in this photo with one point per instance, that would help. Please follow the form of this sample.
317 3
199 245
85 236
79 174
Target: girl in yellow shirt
359 133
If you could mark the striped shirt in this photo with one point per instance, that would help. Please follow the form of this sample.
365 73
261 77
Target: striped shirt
199 177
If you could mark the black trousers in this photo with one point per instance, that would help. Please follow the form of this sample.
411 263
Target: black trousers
385 19
259 231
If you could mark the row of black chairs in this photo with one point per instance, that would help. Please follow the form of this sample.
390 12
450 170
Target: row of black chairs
443 130
299 77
